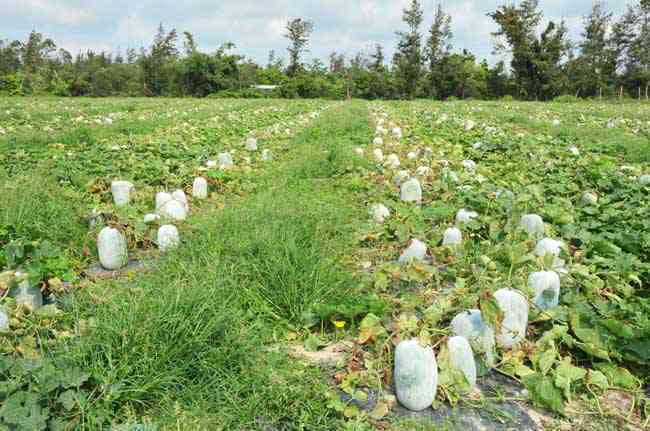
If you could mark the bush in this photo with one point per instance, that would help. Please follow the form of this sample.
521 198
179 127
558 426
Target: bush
566 98
245 93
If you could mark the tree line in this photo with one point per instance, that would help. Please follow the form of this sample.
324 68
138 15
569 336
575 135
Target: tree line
612 58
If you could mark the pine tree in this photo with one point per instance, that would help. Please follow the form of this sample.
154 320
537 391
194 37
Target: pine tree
408 58
438 48
596 65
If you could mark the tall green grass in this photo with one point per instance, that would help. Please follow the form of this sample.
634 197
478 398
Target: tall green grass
197 338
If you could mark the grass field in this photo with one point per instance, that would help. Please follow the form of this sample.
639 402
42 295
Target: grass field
283 257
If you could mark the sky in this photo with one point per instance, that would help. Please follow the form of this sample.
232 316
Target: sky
256 27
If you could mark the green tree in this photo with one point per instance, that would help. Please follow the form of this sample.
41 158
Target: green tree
536 60
408 58
437 49
595 67
298 32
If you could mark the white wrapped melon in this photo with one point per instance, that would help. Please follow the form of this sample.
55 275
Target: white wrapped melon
469 125
112 248
267 156
589 198
25 294
477 145
461 357
378 141
168 237
574 150
400 177
379 213
179 195
470 324
210 164
465 216
411 191
4 320
553 247
515 317
122 191
151 218
452 237
392 161
378 155
533 224
162 198
225 160
251 144
411 155
417 250
397 133
423 171
200 188
469 165
359 151
644 180
546 288
415 374
174 210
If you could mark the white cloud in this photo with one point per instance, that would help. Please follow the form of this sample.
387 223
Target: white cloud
256 27
45 11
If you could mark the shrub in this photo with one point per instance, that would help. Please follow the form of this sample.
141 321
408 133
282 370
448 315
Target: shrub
566 98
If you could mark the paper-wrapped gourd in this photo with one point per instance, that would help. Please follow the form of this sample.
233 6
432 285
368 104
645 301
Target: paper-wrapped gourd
174 210
452 237
112 249
251 144
267 156
470 324
25 294
4 319
417 250
589 198
644 180
411 191
554 248
179 195
461 357
378 141
200 188
546 288
469 165
379 213
122 191
397 133
392 161
151 218
378 155
400 177
168 237
515 317
464 216
416 375
533 224
162 198
225 160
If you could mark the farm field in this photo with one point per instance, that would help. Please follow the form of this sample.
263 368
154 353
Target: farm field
283 303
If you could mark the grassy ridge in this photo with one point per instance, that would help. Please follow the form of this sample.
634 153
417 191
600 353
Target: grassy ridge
191 341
